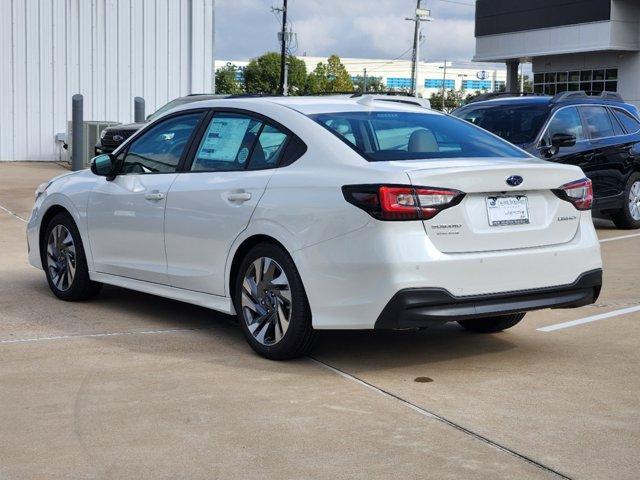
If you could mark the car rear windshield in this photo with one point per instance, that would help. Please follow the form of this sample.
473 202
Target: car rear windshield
517 124
380 136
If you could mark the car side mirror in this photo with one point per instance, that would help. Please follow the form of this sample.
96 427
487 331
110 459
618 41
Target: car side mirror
104 166
563 140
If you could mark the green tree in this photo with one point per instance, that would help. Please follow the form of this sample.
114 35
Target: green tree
329 77
374 84
262 74
453 99
227 80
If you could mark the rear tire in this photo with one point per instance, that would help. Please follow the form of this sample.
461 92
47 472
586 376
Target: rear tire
628 217
64 261
272 305
491 324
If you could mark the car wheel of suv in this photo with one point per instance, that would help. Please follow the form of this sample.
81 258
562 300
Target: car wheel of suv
272 305
491 324
629 216
64 261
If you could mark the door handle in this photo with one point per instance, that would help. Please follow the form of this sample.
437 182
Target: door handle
239 197
154 196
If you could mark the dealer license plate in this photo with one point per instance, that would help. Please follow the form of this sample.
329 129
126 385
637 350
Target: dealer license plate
507 210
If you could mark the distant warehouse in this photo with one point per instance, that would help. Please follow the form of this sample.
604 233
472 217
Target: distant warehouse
108 50
572 44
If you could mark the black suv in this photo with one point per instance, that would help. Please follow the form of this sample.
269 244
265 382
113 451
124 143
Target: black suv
599 133
112 137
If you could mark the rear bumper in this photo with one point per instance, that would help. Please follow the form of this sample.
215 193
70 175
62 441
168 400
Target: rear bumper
423 307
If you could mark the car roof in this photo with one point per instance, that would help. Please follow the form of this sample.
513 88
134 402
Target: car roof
311 105
566 98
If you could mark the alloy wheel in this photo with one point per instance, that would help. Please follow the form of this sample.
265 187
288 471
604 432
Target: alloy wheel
266 301
634 200
61 257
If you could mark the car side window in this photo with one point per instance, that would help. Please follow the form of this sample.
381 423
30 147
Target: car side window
227 143
268 148
566 120
630 124
598 122
159 149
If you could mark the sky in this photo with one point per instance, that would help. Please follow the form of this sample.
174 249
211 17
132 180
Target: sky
348 28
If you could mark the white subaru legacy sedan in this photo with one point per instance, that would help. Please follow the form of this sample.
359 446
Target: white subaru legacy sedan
300 214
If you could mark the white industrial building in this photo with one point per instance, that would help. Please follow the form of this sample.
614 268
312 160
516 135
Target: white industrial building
110 51
396 74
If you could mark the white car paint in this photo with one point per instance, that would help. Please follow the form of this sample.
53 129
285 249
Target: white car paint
182 245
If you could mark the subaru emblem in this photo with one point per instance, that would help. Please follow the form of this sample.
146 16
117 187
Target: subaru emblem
118 138
514 180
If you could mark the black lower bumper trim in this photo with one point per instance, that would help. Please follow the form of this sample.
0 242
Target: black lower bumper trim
423 307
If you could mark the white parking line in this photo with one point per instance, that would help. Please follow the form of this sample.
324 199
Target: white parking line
619 238
13 214
95 335
594 318
426 413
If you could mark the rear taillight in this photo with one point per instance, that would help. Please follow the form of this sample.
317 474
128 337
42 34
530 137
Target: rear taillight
579 193
401 202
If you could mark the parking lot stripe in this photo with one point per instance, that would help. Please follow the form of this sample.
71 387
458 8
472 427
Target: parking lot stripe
437 417
97 335
619 238
594 318
11 213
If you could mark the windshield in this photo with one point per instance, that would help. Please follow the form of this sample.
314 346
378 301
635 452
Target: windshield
380 136
517 124
171 105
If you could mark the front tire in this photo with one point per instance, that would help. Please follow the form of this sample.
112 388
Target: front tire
272 305
491 324
628 217
64 261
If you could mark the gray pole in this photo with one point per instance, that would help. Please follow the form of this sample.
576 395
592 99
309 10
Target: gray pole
444 80
283 49
414 58
365 81
138 110
77 148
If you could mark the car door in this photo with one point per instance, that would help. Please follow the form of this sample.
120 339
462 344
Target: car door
126 213
211 204
608 163
566 120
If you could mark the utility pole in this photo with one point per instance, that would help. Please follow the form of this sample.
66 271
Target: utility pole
414 56
421 15
283 51
365 81
444 80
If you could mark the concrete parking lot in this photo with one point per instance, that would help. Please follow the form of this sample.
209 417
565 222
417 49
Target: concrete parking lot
133 386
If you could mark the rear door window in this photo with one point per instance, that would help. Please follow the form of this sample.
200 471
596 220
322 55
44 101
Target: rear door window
227 143
598 122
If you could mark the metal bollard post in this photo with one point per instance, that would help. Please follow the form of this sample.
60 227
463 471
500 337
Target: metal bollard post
77 152
138 110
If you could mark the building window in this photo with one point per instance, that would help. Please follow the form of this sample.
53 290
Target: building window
437 83
476 84
594 81
398 82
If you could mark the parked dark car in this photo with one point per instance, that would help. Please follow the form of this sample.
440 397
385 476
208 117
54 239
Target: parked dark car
599 133
112 137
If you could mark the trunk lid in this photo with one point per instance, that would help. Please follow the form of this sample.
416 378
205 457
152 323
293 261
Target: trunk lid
467 227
